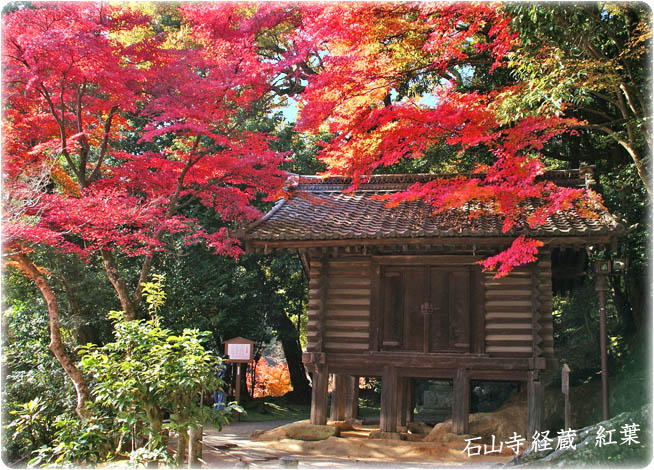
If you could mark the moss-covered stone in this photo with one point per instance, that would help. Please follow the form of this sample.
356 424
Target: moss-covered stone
310 432
587 454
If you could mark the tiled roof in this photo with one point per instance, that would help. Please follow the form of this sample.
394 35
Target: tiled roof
320 210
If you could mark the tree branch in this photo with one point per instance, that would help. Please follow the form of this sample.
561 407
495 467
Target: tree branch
103 147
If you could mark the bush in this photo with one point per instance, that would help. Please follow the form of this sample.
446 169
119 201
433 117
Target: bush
146 372
271 380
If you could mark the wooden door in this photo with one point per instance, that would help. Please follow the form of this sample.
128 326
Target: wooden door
392 309
425 308
449 300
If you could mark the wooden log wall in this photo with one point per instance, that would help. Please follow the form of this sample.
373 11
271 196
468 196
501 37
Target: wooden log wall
340 303
345 307
508 311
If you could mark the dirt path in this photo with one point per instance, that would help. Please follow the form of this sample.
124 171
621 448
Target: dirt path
231 445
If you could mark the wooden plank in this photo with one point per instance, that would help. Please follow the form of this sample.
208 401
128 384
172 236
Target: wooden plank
499 242
319 392
440 361
514 375
508 326
388 413
361 327
513 336
346 336
345 315
338 346
312 346
355 283
499 304
508 349
351 261
508 308
513 315
349 273
509 342
512 354
348 293
322 307
500 320
508 293
347 301
460 402
421 260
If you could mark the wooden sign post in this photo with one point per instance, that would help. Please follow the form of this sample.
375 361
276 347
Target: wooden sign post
239 351
565 388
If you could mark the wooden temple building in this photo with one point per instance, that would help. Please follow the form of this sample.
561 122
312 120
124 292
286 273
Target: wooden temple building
398 293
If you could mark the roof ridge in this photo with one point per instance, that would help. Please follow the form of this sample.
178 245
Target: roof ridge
574 176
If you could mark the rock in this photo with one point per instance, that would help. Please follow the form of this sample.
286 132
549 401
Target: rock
385 435
415 437
275 434
300 430
310 432
419 427
342 425
510 418
439 431
587 454
354 422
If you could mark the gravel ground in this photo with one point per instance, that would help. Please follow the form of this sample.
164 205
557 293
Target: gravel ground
232 448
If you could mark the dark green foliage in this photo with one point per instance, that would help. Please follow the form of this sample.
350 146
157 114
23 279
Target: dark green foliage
145 372
35 388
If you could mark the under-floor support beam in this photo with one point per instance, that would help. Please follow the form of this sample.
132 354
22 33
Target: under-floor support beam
339 397
461 402
352 397
388 414
319 394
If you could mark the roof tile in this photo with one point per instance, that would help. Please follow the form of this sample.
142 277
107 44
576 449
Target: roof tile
320 210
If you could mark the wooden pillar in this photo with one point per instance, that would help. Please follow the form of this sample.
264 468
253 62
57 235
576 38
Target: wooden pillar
400 400
388 414
409 400
534 403
403 401
352 397
339 394
460 402
319 394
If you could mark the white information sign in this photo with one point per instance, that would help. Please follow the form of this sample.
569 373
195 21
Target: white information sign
239 352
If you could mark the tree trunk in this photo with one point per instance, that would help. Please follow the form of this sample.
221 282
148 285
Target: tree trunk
288 336
194 447
119 284
56 344
182 440
621 303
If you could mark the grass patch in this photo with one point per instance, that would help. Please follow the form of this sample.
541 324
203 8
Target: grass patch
274 408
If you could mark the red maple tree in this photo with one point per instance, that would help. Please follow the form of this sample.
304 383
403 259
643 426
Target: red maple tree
75 76
372 56
78 76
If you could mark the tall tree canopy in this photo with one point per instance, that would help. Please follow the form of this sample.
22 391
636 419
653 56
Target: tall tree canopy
76 77
119 118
